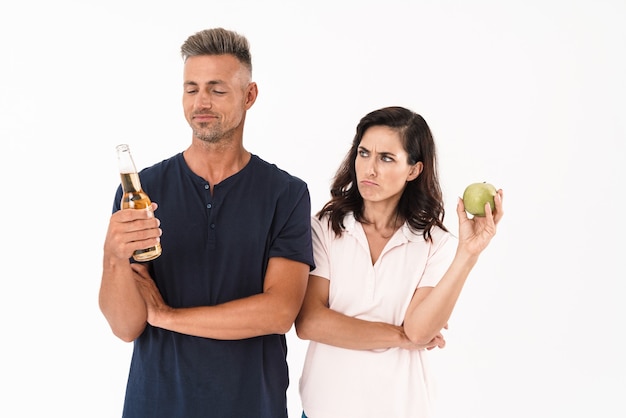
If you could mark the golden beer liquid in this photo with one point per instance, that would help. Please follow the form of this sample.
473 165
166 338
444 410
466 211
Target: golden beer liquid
135 198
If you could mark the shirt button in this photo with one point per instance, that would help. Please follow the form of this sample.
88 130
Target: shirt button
212 226
206 187
209 206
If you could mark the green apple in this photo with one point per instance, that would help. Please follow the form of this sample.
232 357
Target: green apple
476 195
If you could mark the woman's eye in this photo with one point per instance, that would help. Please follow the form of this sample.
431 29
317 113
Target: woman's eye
362 153
386 159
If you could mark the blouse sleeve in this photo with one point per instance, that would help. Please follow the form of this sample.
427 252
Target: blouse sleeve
442 251
321 235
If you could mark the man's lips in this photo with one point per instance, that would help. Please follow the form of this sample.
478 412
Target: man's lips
203 117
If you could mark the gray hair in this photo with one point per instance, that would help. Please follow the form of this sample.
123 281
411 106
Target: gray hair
218 41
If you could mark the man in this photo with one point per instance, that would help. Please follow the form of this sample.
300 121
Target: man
208 316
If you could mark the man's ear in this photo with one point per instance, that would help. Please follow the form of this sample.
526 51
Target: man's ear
251 94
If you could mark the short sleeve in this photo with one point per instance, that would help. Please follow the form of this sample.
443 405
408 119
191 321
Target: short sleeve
321 236
293 228
441 254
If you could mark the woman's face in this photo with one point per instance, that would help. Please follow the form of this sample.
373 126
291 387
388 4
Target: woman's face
382 170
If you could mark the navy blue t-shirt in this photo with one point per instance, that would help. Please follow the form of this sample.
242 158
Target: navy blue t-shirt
215 249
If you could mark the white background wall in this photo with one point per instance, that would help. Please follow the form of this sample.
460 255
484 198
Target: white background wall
528 95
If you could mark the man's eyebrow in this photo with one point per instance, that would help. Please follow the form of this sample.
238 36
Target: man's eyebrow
212 82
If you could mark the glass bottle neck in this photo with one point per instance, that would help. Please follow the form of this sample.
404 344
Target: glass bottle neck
130 182
128 171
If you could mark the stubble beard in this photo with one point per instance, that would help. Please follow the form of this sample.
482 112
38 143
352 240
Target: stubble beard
213 133
209 135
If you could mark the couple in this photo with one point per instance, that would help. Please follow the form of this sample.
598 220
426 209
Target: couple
371 279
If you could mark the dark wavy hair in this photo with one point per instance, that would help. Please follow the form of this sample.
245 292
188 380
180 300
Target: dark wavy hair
421 204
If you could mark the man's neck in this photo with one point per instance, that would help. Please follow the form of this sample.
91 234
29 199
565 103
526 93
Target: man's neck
216 162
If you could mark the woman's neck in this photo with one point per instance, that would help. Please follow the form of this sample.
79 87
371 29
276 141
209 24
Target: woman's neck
381 221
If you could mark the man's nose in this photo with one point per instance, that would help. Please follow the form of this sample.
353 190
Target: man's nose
203 100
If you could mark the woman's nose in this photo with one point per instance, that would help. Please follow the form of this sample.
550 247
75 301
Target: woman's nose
371 168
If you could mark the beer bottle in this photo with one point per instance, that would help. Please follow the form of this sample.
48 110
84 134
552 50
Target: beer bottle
133 196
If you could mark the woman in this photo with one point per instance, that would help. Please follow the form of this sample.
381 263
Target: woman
388 274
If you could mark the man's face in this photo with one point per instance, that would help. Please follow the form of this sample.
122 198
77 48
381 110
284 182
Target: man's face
217 92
